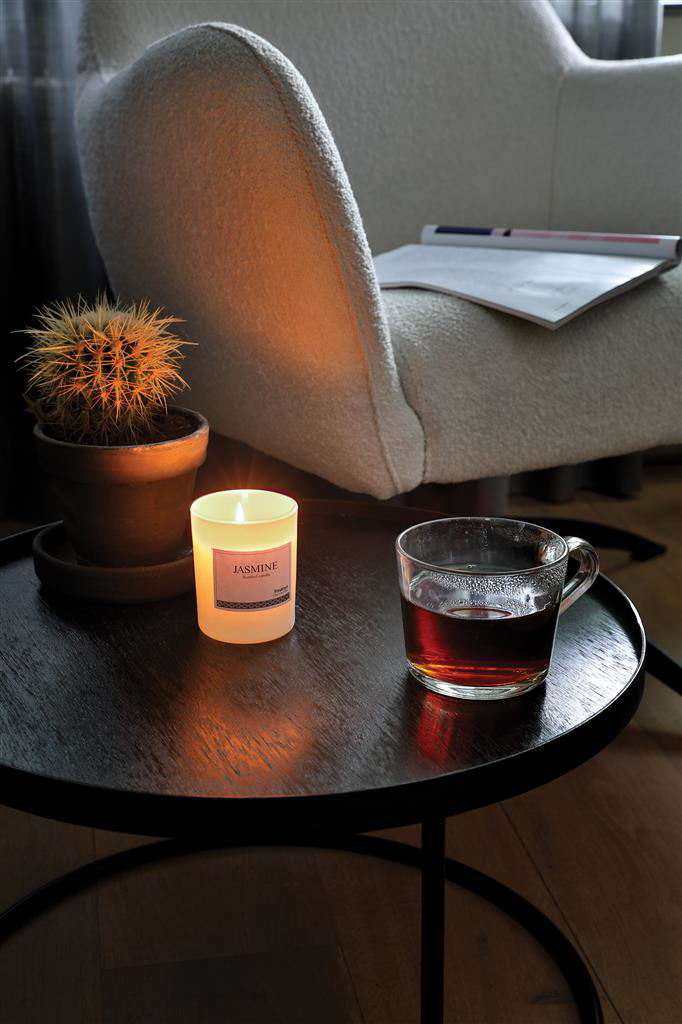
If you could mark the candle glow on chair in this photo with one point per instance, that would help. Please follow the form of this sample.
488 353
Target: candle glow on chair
245 564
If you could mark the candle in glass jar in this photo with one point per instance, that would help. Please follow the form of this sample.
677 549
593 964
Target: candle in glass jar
245 564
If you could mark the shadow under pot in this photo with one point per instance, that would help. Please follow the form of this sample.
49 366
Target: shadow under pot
125 505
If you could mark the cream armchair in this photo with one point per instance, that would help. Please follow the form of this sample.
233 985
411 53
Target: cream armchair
216 189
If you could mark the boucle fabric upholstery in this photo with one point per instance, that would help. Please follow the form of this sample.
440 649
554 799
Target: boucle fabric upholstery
452 110
497 395
618 147
232 209
216 189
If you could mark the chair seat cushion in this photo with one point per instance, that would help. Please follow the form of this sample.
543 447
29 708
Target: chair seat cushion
496 394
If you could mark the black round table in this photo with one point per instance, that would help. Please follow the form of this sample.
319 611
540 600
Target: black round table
127 718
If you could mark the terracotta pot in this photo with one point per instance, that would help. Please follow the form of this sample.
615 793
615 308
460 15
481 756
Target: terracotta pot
126 505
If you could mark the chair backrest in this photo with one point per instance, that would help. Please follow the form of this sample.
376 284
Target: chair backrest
440 110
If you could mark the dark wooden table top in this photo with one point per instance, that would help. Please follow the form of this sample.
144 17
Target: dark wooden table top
128 718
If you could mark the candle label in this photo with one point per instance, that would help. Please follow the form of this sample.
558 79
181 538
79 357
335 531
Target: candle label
248 581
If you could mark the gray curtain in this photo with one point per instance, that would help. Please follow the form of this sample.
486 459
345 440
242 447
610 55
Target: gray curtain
613 29
48 251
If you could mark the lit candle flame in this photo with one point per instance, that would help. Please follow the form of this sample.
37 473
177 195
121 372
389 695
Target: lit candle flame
239 514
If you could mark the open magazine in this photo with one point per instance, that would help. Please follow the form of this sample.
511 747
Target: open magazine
548 277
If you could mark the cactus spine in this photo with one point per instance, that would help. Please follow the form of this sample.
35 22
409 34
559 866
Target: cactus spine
102 374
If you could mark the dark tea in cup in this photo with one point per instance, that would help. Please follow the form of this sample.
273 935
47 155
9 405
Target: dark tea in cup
481 599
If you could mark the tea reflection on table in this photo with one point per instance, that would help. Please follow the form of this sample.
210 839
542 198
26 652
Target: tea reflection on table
449 731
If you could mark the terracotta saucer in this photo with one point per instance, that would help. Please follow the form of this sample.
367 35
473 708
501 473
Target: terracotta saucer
56 567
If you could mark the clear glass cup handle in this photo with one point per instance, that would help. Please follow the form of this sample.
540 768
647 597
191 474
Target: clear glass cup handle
586 574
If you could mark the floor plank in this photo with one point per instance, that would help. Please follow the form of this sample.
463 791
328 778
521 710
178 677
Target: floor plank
487 840
376 905
307 985
50 970
660 714
611 856
216 904
606 839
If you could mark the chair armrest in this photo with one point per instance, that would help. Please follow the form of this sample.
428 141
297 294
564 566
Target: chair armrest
618 149
216 190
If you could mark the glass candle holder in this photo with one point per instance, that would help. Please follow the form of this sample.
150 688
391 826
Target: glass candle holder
245 564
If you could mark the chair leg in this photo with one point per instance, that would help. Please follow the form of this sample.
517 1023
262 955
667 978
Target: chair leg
487 497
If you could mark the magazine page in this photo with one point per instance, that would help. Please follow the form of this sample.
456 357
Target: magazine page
546 287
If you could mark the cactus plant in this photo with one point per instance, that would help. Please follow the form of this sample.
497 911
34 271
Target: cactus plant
102 374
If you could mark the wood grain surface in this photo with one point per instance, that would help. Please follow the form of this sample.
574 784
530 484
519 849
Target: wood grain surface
124 716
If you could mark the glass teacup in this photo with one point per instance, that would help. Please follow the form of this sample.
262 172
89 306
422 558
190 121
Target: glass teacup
481 599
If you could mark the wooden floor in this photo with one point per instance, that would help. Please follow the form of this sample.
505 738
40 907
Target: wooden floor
284 937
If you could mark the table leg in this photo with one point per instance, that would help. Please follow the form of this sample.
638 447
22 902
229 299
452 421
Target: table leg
433 921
